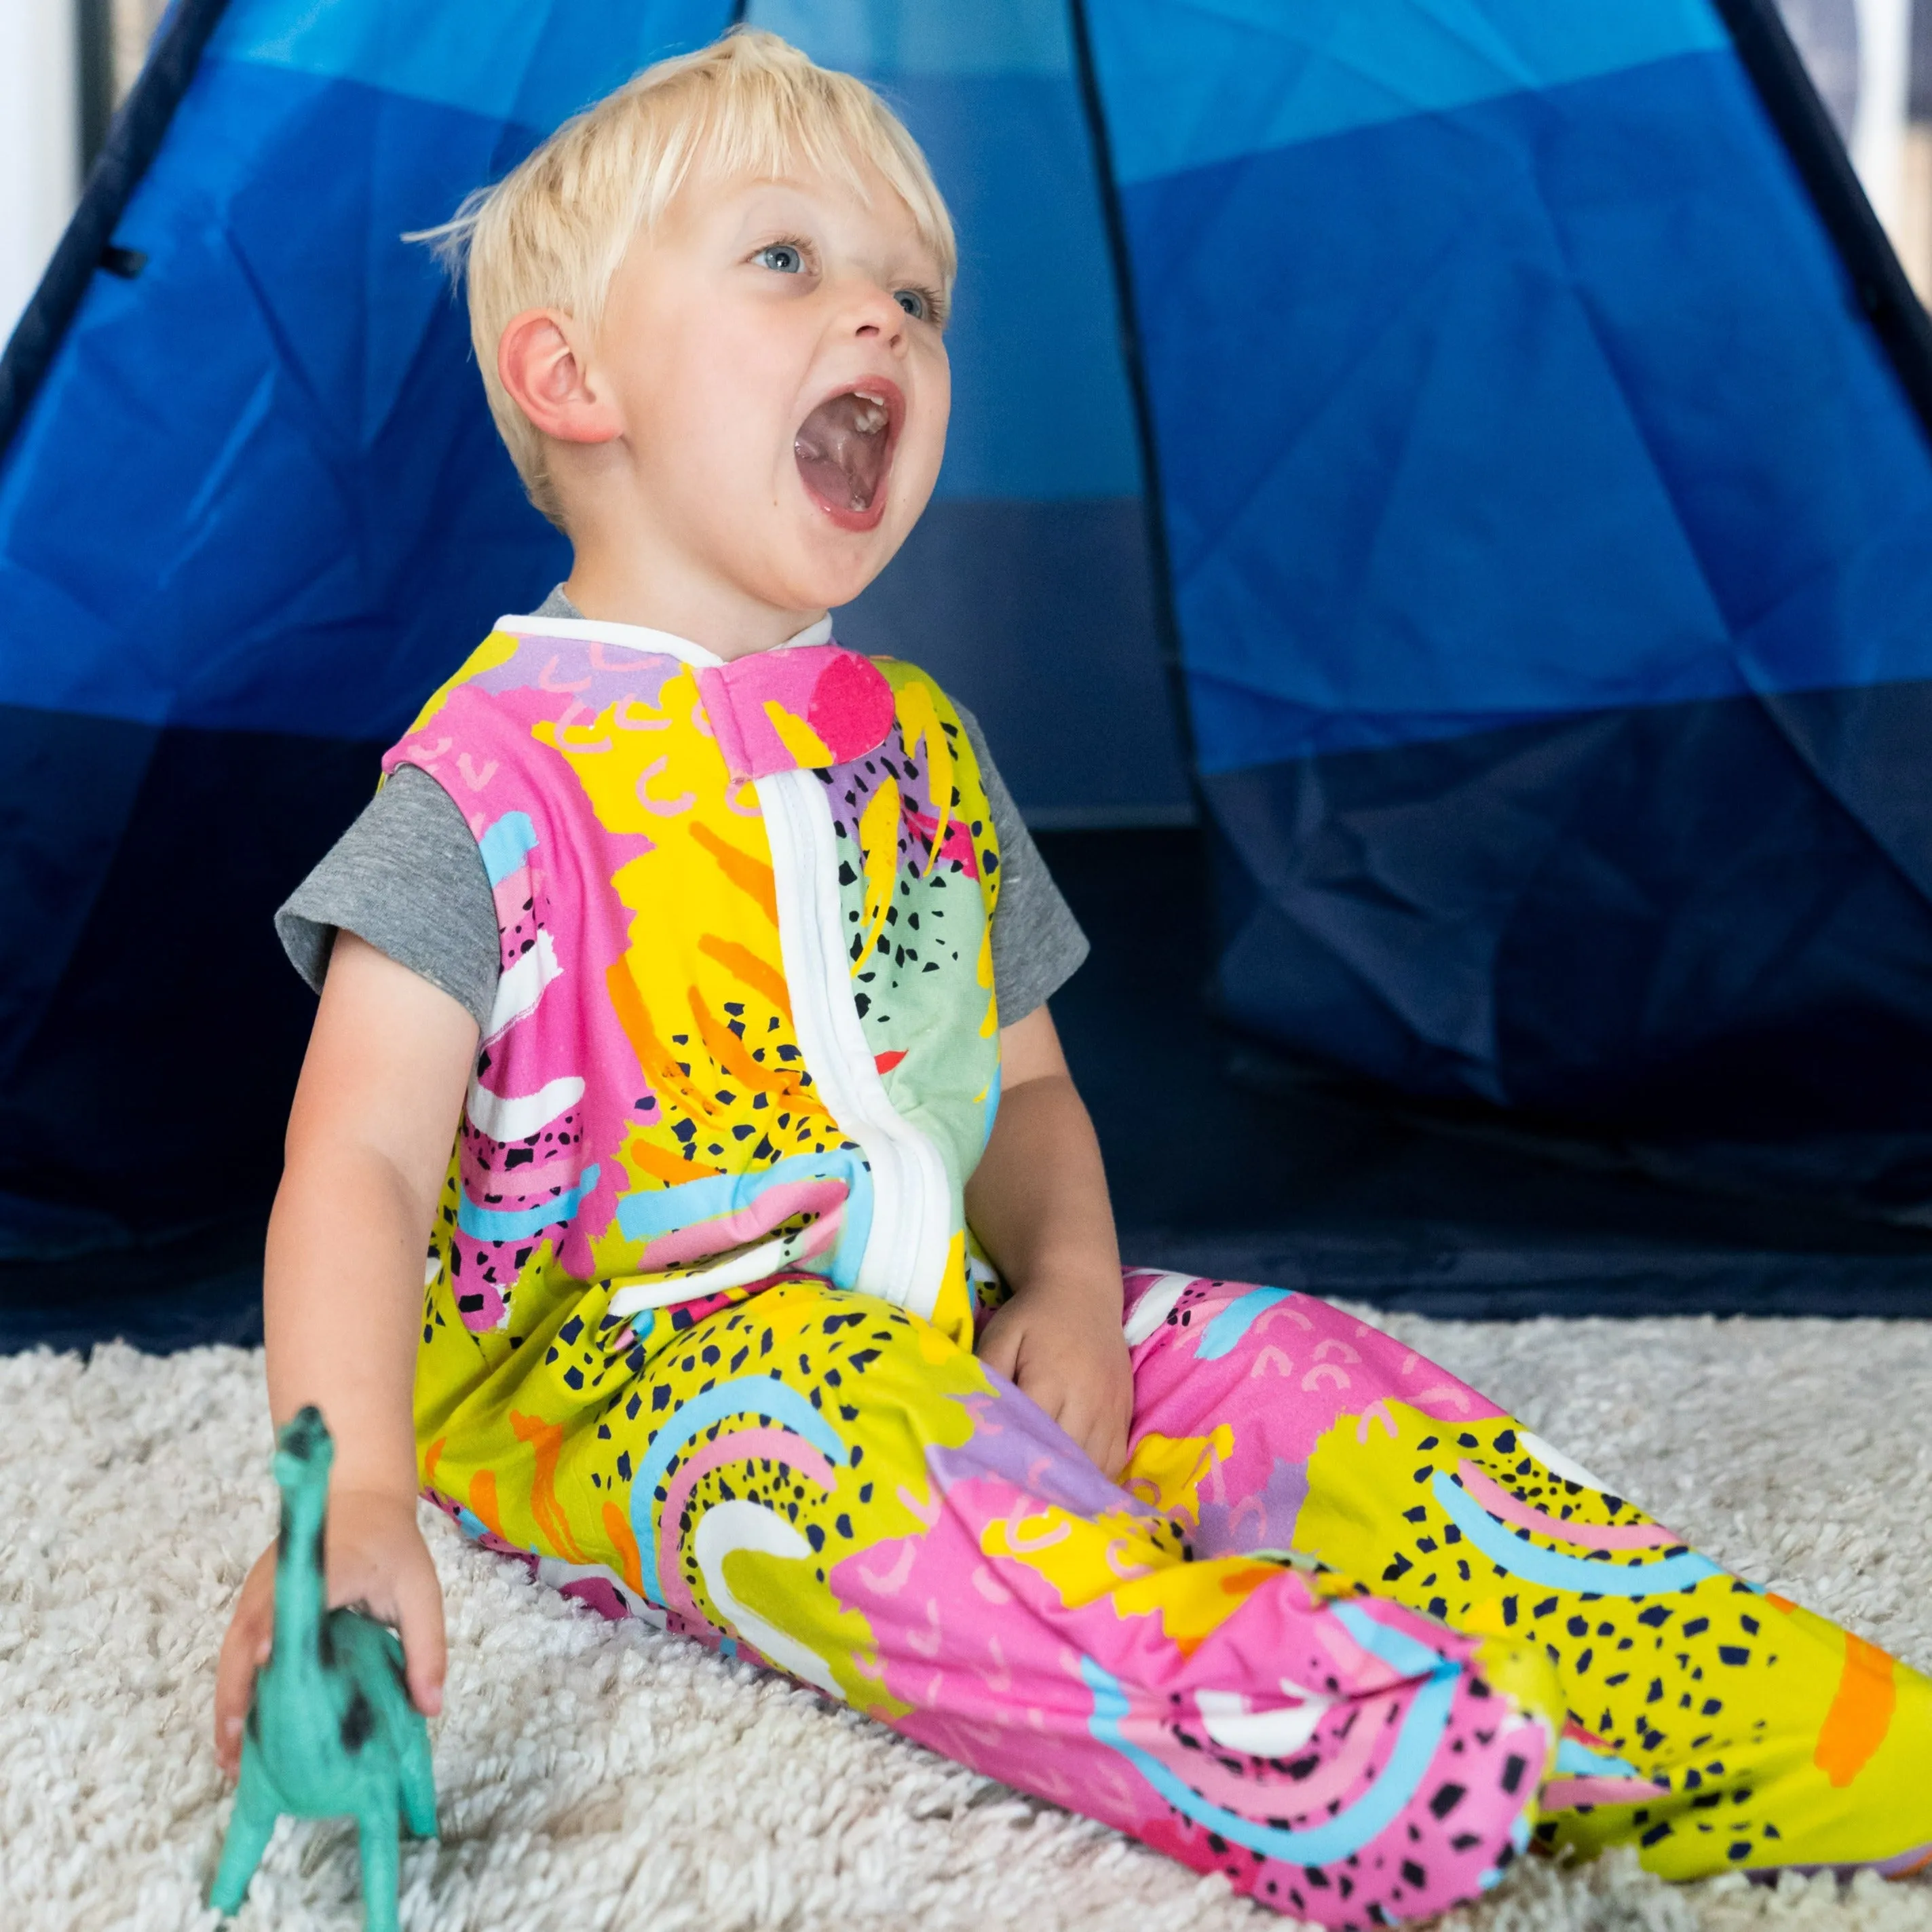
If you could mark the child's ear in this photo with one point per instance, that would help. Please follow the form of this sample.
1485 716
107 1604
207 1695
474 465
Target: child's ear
539 368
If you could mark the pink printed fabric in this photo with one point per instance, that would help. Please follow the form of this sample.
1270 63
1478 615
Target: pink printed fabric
756 705
558 921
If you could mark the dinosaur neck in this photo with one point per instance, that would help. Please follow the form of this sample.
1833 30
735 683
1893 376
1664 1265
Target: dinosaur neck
301 1581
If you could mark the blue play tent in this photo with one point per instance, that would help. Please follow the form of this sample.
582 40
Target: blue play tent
1470 453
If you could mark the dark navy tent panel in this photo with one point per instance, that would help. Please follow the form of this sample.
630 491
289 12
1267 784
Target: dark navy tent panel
1551 543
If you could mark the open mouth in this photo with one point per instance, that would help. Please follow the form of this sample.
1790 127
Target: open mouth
845 448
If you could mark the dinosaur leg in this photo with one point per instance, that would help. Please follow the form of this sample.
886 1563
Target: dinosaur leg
380 1869
250 1826
419 1782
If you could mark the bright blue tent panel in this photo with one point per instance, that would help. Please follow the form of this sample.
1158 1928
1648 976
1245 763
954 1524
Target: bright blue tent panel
1238 77
258 489
522 66
1563 408
1551 543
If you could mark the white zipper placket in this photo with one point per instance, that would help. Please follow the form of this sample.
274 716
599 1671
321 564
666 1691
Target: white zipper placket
904 1260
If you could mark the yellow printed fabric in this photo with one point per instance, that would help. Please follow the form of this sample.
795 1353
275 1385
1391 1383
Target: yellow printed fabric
645 1113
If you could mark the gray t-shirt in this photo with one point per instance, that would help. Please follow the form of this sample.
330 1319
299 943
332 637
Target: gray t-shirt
406 877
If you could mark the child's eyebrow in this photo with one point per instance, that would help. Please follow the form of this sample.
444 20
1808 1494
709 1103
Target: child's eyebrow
773 203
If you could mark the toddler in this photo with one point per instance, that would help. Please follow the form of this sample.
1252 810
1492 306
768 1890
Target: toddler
686 1193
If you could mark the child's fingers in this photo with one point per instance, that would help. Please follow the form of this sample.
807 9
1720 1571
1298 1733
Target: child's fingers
425 1654
1077 1413
999 1344
1121 1433
1000 1349
1108 1449
1097 1424
244 1651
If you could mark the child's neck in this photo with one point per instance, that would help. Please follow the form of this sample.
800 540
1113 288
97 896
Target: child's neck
613 589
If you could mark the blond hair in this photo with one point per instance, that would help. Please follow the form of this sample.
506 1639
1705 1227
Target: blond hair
553 231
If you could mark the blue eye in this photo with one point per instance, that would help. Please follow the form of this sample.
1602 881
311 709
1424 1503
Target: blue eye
782 257
914 302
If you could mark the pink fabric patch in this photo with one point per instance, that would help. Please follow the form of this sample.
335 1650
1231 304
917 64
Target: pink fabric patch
851 705
600 1593
1564 1794
523 1183
838 694
957 844
1499 1501
512 895
749 1223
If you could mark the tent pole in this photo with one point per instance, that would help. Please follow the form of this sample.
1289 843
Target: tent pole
94 20
1804 125
1167 628
133 139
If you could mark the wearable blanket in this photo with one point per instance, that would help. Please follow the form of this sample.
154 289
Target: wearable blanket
697 1345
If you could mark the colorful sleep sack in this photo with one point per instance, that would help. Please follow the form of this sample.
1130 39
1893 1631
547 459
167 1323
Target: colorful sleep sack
697 1346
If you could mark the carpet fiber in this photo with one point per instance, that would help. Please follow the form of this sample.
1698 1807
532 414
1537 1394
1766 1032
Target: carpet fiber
594 1776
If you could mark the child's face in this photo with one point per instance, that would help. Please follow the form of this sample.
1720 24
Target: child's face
774 353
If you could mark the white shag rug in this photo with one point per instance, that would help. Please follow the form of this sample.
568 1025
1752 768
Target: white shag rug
594 1776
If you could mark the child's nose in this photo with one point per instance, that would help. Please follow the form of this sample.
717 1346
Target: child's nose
878 317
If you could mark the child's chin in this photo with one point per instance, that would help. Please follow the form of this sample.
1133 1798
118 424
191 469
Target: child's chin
841 562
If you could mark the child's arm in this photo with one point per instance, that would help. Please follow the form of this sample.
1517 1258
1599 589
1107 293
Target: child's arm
369 1136
1038 1202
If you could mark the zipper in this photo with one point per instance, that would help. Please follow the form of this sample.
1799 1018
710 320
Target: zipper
906 1248
911 1232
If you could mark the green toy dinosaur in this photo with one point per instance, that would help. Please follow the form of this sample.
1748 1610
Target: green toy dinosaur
331 1728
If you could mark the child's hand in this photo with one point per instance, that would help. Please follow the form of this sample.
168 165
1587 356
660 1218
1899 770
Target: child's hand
1038 1202
1062 1343
377 1562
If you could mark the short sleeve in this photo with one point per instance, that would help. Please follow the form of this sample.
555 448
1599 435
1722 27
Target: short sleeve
1037 943
406 877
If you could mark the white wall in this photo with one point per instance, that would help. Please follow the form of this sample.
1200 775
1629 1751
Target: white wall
40 141
1878 129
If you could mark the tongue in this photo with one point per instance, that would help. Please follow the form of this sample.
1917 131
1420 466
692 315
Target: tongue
841 461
